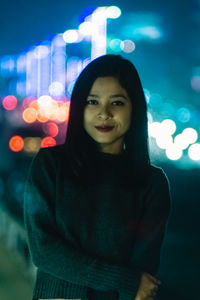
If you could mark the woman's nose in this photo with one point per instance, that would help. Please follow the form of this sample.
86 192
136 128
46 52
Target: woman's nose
104 112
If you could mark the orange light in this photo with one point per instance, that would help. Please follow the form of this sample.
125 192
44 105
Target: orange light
48 142
51 129
41 116
34 104
9 102
16 143
29 115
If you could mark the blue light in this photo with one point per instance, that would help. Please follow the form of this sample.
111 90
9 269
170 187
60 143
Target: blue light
183 114
87 11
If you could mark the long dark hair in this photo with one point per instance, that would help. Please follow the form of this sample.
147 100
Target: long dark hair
79 144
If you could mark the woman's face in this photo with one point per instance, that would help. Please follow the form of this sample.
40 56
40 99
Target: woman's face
108 105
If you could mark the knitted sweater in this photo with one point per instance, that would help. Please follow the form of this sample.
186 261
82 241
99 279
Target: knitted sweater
92 241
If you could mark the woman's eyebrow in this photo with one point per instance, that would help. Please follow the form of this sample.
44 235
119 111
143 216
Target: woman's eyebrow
113 96
93 95
119 96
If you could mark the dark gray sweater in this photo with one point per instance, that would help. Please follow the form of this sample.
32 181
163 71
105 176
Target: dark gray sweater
92 241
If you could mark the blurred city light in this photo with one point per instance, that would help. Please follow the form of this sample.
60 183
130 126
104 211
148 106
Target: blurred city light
48 142
164 141
194 151
16 143
181 142
115 45
32 144
29 115
154 129
190 134
150 32
41 51
86 28
173 152
183 114
167 127
50 129
9 102
56 89
71 36
113 12
127 46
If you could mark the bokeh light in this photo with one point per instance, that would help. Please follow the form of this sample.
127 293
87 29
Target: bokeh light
173 152
127 46
16 143
181 142
183 114
86 28
29 115
48 142
154 129
194 151
113 12
50 129
41 51
167 126
164 141
32 144
190 134
115 45
71 36
9 102
56 89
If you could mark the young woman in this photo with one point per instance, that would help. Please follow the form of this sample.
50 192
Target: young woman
95 208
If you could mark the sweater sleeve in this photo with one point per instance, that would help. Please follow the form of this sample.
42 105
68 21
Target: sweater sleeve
153 223
57 256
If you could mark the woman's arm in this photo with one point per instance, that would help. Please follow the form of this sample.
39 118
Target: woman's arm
57 256
153 222
146 251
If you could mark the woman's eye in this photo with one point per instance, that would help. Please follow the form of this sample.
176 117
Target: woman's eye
118 103
91 101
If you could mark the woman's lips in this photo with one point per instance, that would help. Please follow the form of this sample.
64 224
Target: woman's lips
104 129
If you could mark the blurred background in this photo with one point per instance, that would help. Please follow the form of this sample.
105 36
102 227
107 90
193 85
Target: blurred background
44 47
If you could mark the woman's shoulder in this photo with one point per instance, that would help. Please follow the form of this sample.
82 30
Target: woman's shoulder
53 151
48 156
157 173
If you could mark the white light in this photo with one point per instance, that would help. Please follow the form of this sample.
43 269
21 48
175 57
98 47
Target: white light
181 142
41 51
154 129
173 152
194 151
147 95
44 100
164 141
113 12
168 127
149 31
99 16
150 118
190 134
71 36
127 46
58 41
86 28
56 89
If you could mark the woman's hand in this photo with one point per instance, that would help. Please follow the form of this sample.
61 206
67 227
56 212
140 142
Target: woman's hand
147 288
